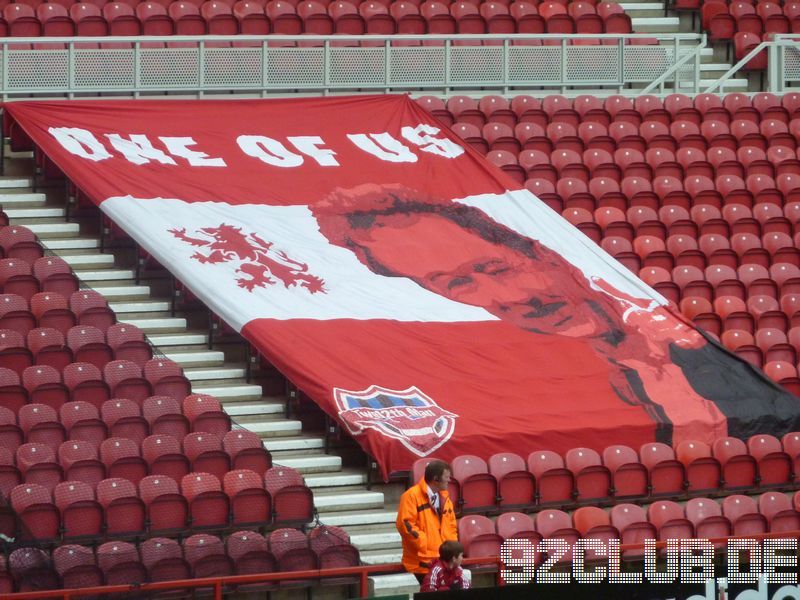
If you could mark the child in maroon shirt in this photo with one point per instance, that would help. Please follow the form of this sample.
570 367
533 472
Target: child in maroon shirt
446 572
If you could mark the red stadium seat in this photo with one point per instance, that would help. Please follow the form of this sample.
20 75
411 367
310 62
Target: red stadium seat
209 507
120 563
38 516
164 456
742 512
556 524
167 509
555 483
629 475
14 353
124 511
12 395
774 465
125 380
47 346
739 469
477 488
16 277
40 424
14 314
127 343
291 498
164 416
477 533
86 384
631 522
779 512
204 451
703 471
124 419
667 474
77 566
50 310
708 521
163 559
80 462
91 308
246 451
251 504
123 459
88 345
18 241
81 514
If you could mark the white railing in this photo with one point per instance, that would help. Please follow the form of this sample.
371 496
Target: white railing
327 64
783 64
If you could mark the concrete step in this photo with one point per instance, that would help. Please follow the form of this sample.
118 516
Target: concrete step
339 479
365 518
21 200
269 429
90 261
655 24
54 230
253 408
15 183
293 445
208 358
237 391
179 341
214 373
63 247
163 325
392 585
105 275
144 308
124 292
29 213
382 557
643 9
379 540
317 463
332 501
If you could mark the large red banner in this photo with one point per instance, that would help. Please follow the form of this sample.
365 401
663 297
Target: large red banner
405 284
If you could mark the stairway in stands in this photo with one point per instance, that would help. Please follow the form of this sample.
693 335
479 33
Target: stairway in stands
340 494
652 16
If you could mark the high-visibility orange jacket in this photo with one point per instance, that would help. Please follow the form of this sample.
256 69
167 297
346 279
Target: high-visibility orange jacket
416 516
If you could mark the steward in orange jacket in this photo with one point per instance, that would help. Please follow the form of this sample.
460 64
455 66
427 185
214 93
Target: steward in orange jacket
423 528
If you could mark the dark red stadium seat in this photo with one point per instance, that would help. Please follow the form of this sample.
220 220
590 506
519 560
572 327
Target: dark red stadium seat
125 380
739 469
79 459
48 349
81 514
14 314
88 345
629 476
478 535
556 524
779 512
77 566
164 456
708 521
205 453
85 383
667 474
246 451
124 511
209 506
50 310
742 512
120 563
164 416
291 498
163 559
555 483
124 419
91 308
251 504
16 277
39 518
477 488
123 459
669 520
631 522
167 509
774 465
14 353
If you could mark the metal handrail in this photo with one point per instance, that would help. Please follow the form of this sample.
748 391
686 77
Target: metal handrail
695 55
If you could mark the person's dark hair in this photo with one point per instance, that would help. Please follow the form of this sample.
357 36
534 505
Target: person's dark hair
435 469
450 550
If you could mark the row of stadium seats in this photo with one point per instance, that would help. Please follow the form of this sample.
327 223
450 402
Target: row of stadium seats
122 378
508 481
46 274
117 417
311 17
723 21
126 457
736 515
708 137
201 555
96 458
587 108
84 343
241 498
49 309
37 462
